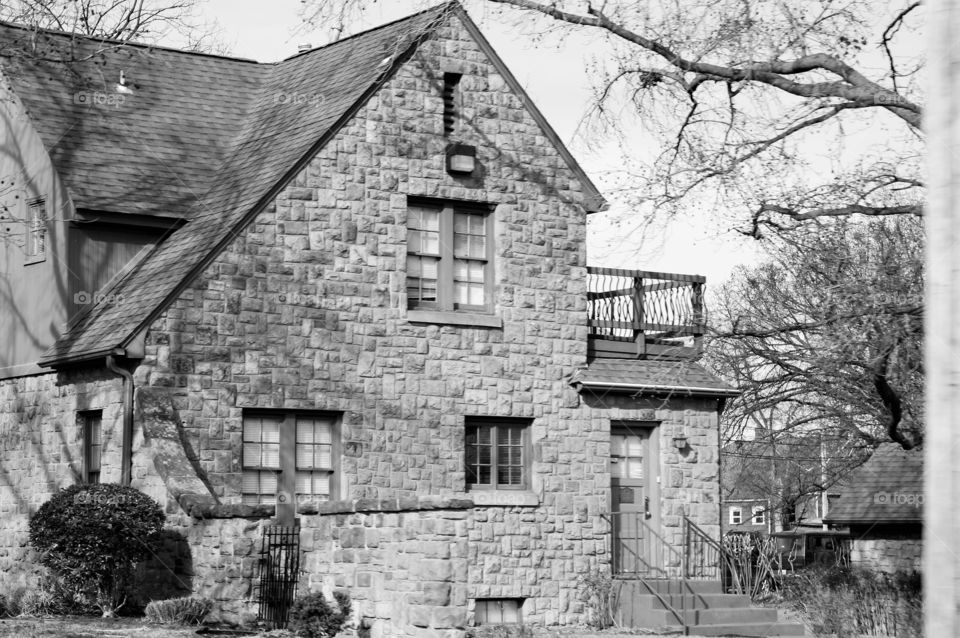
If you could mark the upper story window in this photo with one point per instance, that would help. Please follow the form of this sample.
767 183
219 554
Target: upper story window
288 456
35 239
497 454
449 257
759 515
736 515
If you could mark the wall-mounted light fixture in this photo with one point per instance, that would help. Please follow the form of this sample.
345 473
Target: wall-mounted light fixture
680 441
461 158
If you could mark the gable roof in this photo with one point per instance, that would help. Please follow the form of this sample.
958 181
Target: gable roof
651 376
888 488
207 138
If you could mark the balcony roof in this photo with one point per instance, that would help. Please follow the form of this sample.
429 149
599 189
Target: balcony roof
650 376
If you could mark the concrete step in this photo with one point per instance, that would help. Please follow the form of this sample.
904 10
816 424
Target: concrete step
750 629
670 586
693 601
739 616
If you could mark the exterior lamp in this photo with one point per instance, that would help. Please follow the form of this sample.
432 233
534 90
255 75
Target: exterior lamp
461 158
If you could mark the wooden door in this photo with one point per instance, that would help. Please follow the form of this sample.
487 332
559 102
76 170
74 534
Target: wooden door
634 500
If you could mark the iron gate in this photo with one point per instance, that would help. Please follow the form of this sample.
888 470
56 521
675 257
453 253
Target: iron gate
279 573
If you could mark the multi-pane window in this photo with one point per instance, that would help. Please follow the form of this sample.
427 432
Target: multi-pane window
736 515
498 611
92 423
626 456
759 515
261 459
35 240
448 257
496 455
277 446
314 456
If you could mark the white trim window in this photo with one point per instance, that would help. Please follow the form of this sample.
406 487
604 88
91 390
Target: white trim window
759 515
736 515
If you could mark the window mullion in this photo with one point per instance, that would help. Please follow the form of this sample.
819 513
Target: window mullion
445 268
494 456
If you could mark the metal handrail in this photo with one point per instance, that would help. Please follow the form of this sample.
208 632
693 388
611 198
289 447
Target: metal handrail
724 564
651 563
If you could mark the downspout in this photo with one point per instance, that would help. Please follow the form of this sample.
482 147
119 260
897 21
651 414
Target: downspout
126 443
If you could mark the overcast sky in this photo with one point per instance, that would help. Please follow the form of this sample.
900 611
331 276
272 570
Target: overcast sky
554 74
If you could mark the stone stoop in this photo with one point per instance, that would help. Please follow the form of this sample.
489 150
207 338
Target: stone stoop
708 611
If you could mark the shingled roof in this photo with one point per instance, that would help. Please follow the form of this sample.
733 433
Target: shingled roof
206 138
888 488
651 376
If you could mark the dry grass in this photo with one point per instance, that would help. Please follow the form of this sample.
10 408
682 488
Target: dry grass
88 628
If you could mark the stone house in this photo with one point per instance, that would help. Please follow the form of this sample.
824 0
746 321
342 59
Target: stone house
345 293
881 503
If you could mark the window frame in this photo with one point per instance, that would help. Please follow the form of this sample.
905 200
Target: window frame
287 471
526 456
738 511
85 421
446 259
481 618
758 515
35 232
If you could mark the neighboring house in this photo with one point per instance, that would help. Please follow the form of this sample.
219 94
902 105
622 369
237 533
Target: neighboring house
346 292
881 503
745 515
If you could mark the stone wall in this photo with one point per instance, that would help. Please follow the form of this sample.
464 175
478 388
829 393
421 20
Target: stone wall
888 550
41 450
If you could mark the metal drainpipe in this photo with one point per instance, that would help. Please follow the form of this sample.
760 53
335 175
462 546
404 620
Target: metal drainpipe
126 449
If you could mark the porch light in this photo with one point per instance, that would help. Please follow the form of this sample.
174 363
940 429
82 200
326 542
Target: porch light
680 441
461 158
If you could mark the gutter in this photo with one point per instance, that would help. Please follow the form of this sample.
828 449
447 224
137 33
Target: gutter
126 442
666 389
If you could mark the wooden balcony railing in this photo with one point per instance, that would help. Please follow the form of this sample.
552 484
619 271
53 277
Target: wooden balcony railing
641 314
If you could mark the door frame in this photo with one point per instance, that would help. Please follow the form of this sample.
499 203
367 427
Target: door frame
652 467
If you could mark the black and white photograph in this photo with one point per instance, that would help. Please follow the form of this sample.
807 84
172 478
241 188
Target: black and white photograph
479 318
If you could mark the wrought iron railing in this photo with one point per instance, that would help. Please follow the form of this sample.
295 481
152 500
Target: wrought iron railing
623 304
640 553
706 558
279 574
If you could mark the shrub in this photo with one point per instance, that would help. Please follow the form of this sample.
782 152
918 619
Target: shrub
851 602
91 537
312 616
178 611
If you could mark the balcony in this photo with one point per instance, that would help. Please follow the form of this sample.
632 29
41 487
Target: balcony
637 314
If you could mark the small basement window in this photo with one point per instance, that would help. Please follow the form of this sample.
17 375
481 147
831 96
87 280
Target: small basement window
498 611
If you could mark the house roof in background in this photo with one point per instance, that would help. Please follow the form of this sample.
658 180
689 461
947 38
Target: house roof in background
888 488
651 376
206 138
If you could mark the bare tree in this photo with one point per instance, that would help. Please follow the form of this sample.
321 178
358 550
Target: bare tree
829 333
151 21
783 112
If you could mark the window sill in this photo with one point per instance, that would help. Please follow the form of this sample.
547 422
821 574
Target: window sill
29 261
454 318
505 498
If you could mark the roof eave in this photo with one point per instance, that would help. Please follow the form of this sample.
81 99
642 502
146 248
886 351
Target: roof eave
593 386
